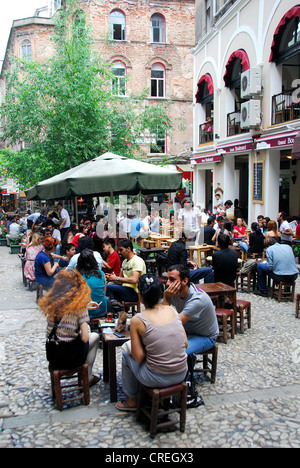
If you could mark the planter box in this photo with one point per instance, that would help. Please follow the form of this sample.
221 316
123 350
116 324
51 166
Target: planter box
3 242
15 249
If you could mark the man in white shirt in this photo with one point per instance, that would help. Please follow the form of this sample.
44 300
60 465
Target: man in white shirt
285 229
14 231
189 219
65 220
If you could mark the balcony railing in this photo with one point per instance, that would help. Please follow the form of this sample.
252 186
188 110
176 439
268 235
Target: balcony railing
206 133
285 107
234 124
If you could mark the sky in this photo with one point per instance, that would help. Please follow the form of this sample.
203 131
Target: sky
11 10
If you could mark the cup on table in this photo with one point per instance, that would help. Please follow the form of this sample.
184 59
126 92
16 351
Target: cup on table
109 316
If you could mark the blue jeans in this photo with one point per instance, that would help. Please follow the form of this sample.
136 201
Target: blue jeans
199 344
121 293
200 273
244 246
263 271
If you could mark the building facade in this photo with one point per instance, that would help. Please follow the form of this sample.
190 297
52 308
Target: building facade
149 47
246 105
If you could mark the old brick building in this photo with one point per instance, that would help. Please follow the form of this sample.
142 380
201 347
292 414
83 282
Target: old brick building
149 42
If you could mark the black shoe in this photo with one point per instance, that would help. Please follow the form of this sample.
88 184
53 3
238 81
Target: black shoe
194 401
261 293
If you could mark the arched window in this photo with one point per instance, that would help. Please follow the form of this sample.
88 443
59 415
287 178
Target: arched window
205 97
158 28
158 80
118 80
26 52
285 52
117 25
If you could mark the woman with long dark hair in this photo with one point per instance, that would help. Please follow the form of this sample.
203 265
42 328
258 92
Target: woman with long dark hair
89 269
158 345
256 241
66 308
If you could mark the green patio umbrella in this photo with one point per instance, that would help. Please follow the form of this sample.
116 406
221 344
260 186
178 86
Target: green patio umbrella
107 174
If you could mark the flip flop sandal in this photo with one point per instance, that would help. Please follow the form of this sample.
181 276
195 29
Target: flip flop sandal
94 380
126 407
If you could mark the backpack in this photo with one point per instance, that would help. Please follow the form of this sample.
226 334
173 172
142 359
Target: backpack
248 267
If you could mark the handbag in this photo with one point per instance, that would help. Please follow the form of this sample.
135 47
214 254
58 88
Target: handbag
65 355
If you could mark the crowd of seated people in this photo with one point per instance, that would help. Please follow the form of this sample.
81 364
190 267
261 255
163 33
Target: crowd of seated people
177 320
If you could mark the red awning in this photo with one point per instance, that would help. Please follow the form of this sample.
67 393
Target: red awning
240 54
201 83
296 147
292 13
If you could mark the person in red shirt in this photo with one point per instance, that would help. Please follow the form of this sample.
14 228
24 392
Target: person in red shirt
298 227
113 262
239 230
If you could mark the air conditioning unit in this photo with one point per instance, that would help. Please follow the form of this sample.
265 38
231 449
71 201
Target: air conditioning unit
250 114
251 83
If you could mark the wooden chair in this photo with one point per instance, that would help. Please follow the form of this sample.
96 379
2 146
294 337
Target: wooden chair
132 305
282 290
226 323
243 314
39 292
247 281
209 364
161 408
297 311
61 392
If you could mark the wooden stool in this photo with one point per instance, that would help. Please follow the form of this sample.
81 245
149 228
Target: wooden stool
244 313
226 323
159 408
132 304
279 292
60 391
209 365
39 292
250 281
297 306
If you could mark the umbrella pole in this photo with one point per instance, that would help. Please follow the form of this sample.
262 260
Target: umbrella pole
76 209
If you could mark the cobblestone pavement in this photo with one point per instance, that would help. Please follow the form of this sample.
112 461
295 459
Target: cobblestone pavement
255 401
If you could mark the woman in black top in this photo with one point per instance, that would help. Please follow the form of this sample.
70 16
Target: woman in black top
256 241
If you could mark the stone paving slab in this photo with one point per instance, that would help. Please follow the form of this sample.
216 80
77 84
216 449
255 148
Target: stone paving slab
255 401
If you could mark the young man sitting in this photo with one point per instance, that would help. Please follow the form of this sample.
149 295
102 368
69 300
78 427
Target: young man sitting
132 268
225 262
70 252
113 262
195 308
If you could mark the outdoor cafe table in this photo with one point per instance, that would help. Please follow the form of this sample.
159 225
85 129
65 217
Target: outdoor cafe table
220 290
158 238
200 248
145 252
110 343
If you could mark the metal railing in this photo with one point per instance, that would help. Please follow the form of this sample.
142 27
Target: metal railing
285 107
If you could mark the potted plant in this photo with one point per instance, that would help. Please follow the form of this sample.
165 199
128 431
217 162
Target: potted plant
15 246
3 232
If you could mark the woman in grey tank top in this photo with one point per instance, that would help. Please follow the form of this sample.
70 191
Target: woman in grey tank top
158 345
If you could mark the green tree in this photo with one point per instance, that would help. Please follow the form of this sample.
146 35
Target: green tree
62 111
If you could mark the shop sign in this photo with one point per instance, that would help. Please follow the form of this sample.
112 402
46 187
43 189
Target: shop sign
210 158
241 147
276 141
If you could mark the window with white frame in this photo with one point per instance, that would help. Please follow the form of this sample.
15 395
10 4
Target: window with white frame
161 142
26 52
158 28
119 79
158 80
117 25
